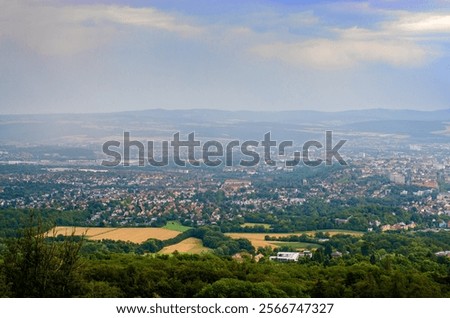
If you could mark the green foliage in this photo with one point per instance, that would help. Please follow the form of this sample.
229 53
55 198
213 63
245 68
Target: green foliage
234 288
390 264
222 244
36 267
14 220
176 226
217 241
212 276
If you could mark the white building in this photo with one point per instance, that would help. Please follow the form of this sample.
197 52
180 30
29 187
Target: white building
286 257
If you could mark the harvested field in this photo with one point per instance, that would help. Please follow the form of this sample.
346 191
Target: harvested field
190 245
78 231
257 239
135 234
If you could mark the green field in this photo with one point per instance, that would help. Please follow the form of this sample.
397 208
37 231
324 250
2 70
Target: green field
338 231
176 226
264 225
331 232
296 245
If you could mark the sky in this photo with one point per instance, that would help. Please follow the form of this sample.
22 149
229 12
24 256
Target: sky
77 56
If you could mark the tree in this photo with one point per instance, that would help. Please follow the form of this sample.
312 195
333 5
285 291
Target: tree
235 288
373 259
38 266
318 255
328 250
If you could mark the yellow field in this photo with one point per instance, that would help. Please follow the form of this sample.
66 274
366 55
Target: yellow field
257 239
135 235
190 245
88 231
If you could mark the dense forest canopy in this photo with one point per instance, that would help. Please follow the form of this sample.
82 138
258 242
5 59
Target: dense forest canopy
395 264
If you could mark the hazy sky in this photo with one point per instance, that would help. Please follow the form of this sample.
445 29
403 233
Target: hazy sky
100 56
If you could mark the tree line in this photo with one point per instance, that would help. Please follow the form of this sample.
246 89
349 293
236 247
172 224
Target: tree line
374 265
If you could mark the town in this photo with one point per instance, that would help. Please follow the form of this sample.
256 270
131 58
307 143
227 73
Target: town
412 186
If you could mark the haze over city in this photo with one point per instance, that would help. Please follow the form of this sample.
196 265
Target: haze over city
108 56
257 157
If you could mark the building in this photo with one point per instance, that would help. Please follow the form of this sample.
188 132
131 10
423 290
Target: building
233 185
442 224
442 253
342 221
286 257
336 254
397 178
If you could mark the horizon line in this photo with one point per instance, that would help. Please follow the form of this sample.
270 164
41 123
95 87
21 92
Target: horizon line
225 111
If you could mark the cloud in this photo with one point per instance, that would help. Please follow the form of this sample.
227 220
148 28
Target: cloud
295 38
270 19
146 17
53 29
344 53
402 39
421 23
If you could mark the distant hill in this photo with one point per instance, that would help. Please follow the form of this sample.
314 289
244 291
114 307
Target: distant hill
81 129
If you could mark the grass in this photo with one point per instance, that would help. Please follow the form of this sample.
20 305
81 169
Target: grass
297 245
176 226
190 245
264 225
337 231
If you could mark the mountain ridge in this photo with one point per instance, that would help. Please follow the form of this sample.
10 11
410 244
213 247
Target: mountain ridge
297 125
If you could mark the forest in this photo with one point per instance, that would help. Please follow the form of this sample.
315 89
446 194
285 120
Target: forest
398 264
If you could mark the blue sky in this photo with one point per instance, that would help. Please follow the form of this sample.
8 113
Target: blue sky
101 56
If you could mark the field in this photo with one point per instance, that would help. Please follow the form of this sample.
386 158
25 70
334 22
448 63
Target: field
190 245
297 245
333 232
135 235
176 226
264 225
78 231
257 239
